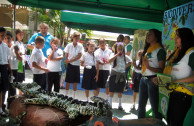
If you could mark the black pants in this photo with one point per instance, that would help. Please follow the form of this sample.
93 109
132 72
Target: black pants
53 78
179 104
40 79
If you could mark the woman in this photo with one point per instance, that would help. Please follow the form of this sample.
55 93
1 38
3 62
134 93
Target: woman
153 61
180 65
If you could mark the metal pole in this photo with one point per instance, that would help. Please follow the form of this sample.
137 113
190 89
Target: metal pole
14 22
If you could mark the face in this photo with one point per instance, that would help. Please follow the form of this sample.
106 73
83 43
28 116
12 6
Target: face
91 48
43 29
150 37
140 54
118 39
76 38
119 48
8 39
56 43
20 36
126 40
2 36
40 45
102 44
177 41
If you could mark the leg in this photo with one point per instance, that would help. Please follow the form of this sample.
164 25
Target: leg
107 91
111 94
154 98
97 91
49 81
74 86
67 86
143 97
134 97
119 100
57 82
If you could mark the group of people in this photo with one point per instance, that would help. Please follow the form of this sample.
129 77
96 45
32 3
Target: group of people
105 68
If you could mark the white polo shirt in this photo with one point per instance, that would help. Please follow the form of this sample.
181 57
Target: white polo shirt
120 67
38 57
102 55
136 70
73 52
22 50
4 53
13 58
89 59
54 66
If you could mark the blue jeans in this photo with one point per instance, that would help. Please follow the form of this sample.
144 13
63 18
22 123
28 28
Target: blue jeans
147 89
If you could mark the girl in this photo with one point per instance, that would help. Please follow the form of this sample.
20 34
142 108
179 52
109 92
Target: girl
136 77
21 64
55 55
91 70
117 77
103 54
153 61
73 53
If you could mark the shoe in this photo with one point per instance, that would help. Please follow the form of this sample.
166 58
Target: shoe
120 108
133 107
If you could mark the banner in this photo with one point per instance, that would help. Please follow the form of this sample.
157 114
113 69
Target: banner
178 17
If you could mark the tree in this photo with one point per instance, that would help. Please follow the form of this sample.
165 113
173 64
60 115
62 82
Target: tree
52 18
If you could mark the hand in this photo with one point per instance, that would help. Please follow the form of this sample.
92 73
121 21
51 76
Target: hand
16 48
67 61
46 70
96 77
145 62
134 62
155 80
53 47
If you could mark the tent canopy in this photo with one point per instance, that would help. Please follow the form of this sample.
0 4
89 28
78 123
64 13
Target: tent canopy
141 11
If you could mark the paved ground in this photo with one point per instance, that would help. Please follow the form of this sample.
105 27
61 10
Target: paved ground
126 100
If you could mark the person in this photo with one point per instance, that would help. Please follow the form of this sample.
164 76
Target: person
21 64
117 76
4 67
73 53
180 65
120 38
153 61
55 55
103 54
37 61
14 58
136 77
44 33
91 70
128 50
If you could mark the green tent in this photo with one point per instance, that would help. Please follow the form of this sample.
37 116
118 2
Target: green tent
137 13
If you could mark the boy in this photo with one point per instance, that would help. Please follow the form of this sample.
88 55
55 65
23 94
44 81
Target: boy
37 61
4 66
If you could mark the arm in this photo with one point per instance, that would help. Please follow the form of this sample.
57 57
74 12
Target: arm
9 67
82 63
135 65
29 46
189 79
38 67
97 71
74 59
128 53
113 58
156 70
18 56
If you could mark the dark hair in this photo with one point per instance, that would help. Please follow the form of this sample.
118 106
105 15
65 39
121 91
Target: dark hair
115 61
17 32
127 37
121 37
187 41
2 29
90 43
9 34
158 36
39 39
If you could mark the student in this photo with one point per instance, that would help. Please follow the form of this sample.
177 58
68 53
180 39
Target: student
153 61
19 43
120 38
103 54
14 58
117 76
37 60
4 67
91 70
73 53
136 77
55 55
128 50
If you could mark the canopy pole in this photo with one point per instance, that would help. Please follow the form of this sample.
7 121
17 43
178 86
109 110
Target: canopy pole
14 22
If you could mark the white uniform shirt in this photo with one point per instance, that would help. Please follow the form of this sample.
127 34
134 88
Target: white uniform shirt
38 57
22 50
73 52
181 69
13 58
4 53
54 66
102 56
89 59
130 51
120 67
136 70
